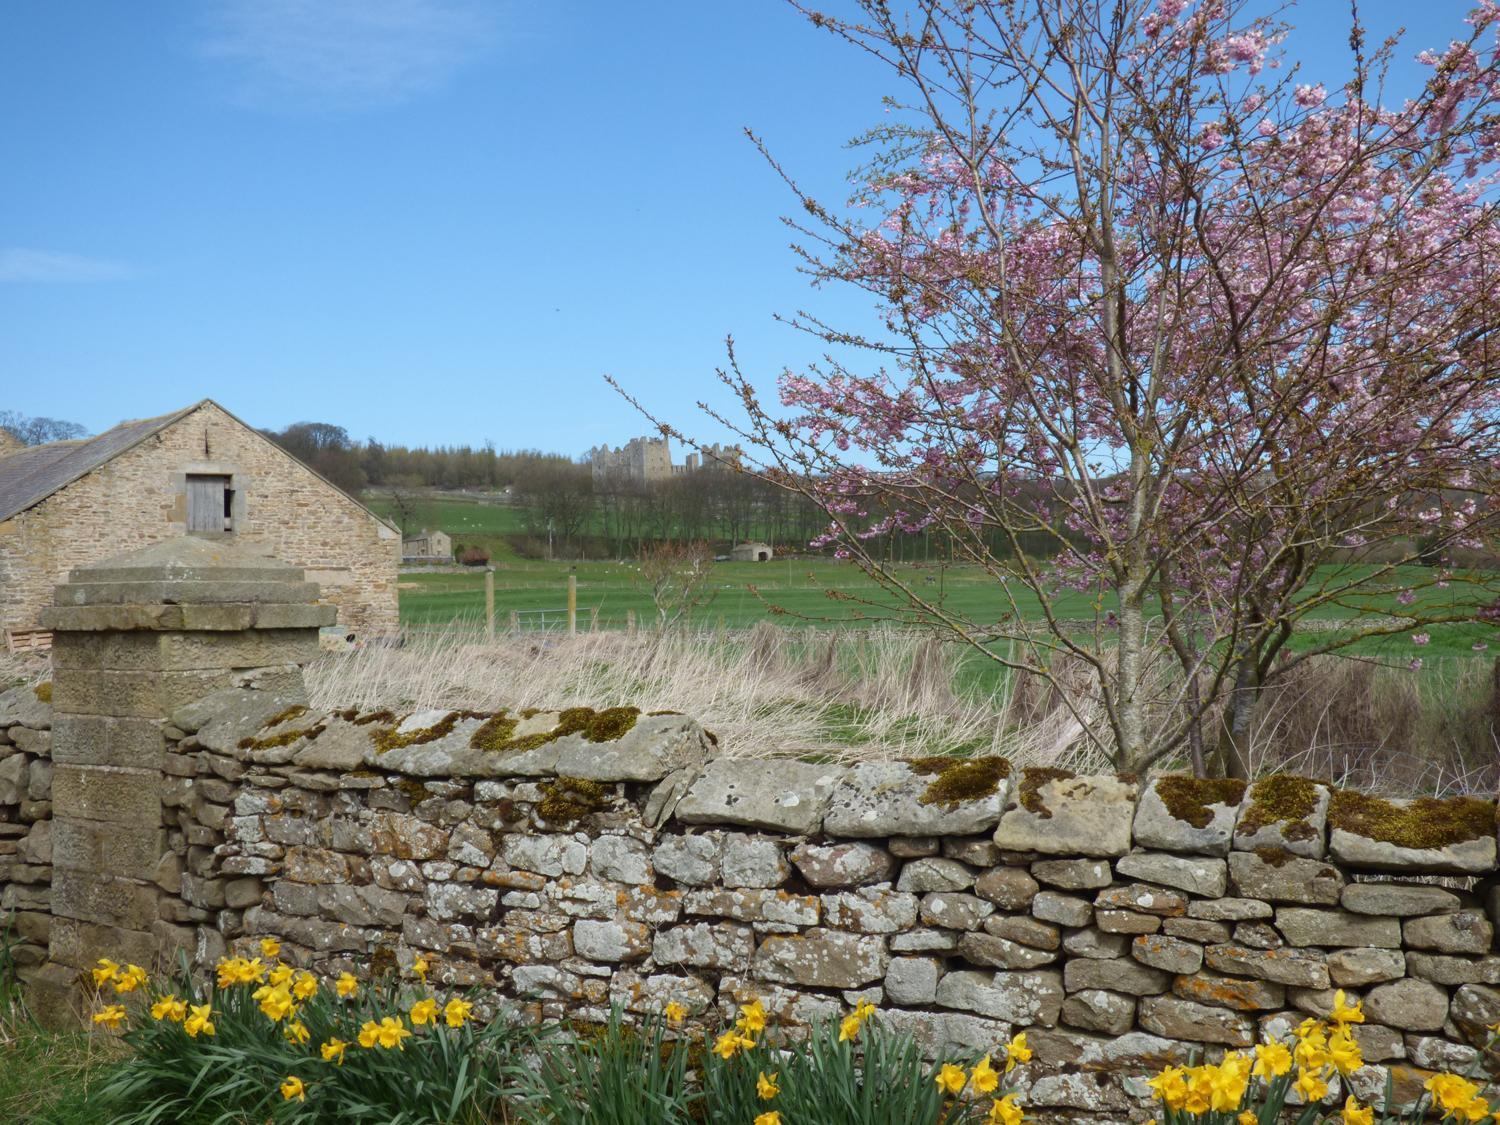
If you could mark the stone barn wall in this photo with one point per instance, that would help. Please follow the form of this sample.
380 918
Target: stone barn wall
565 862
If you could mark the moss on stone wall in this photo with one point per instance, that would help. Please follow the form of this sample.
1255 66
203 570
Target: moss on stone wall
390 738
1426 822
282 738
43 691
1284 799
1030 792
1188 799
955 780
498 733
569 799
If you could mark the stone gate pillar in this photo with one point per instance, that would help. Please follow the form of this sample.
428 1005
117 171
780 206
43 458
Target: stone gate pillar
135 638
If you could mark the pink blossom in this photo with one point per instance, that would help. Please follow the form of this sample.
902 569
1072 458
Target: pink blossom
1414 665
1211 138
1420 638
1310 96
1406 597
1266 128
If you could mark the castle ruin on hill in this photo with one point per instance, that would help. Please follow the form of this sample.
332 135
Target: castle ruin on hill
648 460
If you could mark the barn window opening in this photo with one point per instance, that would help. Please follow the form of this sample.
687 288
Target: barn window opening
210 504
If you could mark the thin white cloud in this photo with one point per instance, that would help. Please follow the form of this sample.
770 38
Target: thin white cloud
57 267
346 54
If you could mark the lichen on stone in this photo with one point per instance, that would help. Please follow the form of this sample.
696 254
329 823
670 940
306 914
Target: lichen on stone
1188 798
1284 799
1029 793
569 799
43 691
286 737
1427 822
497 733
955 780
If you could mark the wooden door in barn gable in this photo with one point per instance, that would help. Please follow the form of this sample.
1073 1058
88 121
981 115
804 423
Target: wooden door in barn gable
208 502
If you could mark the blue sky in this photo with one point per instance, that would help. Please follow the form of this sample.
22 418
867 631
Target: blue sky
430 221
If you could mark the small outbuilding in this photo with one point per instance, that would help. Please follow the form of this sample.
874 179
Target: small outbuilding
750 552
428 547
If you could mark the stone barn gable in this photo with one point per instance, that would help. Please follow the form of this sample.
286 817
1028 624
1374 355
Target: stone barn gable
198 471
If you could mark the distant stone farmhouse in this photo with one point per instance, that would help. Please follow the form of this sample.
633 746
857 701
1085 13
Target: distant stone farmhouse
753 551
428 546
198 471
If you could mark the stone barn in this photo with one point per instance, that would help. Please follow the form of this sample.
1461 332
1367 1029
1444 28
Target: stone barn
199 471
428 546
750 552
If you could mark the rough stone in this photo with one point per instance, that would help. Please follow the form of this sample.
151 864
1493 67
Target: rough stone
1446 970
1401 900
821 959
1009 888
724 946
953 911
1469 857
1306 926
1194 874
1300 968
1027 931
1126 922
691 860
1142 899
1196 929
753 861
871 910
1304 837
1229 909
912 980
611 941
1073 874
1414 1005
1094 1009
1115 976
777 796
1157 826
932 874
1065 910
1068 815
885 799
654 747
1034 997
1285 878
545 855
1176 1018
847 864
1172 955
1354 968
995 952
1230 992
1466 931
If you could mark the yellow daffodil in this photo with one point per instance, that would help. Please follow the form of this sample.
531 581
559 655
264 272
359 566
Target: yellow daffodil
275 1002
1272 1060
1311 1086
105 971
199 1021
674 1012
296 1032
333 1051
424 1012
279 974
419 968
1227 1082
111 1016
456 1012
849 1028
1344 1052
270 947
304 986
1200 1089
984 1078
765 1086
1246 1118
771 1118
951 1079
1016 1051
1476 1110
237 970
864 1010
132 978
1354 1115
1451 1092
293 1088
730 1043
1005 1111
346 986
1169 1087
169 1008
392 1032
1343 1013
752 1018
1311 1051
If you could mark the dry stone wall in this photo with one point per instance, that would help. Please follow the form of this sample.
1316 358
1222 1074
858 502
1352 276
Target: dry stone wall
175 795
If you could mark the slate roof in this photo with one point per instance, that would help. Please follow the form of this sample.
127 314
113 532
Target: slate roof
35 473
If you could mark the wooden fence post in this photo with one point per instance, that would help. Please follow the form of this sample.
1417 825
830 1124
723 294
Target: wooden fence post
489 604
572 604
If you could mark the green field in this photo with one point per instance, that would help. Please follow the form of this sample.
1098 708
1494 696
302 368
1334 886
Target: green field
470 522
812 592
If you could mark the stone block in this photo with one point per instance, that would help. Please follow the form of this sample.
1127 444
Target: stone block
899 799
1176 1018
103 899
1300 968
1354 968
1282 877
954 911
1466 931
1197 875
754 904
1126 922
990 951
723 946
1009 888
1114 976
611 941
1172 955
1424 835
1284 813
1073 874
1449 970
654 747
821 959
1065 910
109 849
752 861
1415 1005
1055 813
622 859
933 874
1229 909
1398 899
1034 997
871 910
80 944
912 980
1094 1009
1230 992
1303 926
848 864
1188 814
1027 931
107 793
690 860
778 796
1095 944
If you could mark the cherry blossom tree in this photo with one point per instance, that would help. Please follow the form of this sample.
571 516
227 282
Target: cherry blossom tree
1223 333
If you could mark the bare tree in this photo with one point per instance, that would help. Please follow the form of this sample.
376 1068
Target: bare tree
677 577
